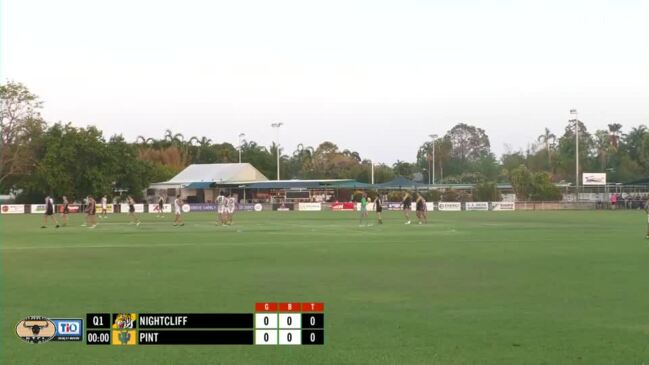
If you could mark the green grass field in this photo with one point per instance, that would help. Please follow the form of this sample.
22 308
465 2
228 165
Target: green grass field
468 288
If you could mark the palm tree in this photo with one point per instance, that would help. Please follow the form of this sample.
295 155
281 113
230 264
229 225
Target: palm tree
602 144
304 157
633 141
192 140
353 154
298 150
178 138
144 140
204 142
169 135
614 134
547 138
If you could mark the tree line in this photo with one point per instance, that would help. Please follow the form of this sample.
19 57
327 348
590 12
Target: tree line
38 158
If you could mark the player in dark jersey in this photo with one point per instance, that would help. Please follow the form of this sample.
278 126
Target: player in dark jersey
420 206
646 209
161 206
66 210
379 208
91 212
49 212
131 211
406 203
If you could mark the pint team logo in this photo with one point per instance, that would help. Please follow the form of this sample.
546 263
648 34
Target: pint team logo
125 337
36 329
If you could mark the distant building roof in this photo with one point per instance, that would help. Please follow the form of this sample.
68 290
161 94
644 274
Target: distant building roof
221 173
400 182
294 184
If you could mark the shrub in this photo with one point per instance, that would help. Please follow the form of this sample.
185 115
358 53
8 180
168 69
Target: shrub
396 195
487 192
543 189
450 195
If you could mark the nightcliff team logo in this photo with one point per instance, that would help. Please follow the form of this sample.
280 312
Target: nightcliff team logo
123 329
124 321
36 329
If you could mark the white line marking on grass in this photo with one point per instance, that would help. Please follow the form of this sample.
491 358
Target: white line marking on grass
131 245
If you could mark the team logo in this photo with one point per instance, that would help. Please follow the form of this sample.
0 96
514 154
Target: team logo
36 329
124 320
186 208
258 207
124 332
68 329
124 337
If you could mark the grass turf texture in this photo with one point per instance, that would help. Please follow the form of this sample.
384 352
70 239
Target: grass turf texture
469 288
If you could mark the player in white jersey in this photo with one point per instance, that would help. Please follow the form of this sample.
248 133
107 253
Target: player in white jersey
220 207
178 205
231 208
227 209
104 207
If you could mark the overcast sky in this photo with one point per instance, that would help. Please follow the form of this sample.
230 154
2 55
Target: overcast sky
373 76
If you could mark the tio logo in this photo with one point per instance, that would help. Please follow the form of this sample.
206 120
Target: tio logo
69 328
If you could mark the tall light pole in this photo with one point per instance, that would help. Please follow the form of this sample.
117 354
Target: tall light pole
433 137
241 135
576 120
372 171
276 126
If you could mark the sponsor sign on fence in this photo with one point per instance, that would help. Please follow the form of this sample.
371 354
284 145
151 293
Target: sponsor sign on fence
430 206
503 206
309 207
12 209
477 205
38 208
246 207
139 208
283 207
392 206
449 206
153 208
109 208
72 208
342 207
370 207
203 207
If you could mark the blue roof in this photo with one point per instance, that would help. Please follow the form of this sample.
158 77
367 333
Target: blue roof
400 182
199 185
293 184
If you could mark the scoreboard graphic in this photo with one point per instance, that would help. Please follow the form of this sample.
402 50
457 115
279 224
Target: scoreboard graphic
272 323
